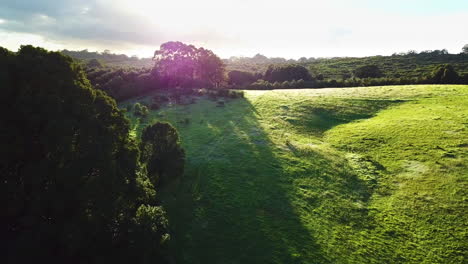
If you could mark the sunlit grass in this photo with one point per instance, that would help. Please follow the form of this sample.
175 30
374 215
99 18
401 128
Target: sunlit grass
354 175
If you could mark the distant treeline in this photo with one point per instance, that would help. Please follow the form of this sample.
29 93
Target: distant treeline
177 65
368 75
108 58
400 65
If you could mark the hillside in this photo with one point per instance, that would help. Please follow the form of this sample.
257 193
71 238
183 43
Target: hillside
396 66
354 175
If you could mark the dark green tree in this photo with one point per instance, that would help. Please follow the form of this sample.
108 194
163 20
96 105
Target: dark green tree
71 182
210 68
368 71
162 153
240 77
287 72
445 74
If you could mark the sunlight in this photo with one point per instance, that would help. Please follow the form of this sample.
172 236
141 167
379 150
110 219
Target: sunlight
317 28
243 131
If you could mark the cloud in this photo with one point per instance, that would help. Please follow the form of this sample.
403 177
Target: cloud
292 28
80 20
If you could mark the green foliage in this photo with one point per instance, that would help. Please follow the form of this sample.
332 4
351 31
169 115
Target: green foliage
129 108
445 74
240 78
182 65
151 231
162 153
71 182
122 84
288 72
265 85
368 71
111 59
140 110
403 65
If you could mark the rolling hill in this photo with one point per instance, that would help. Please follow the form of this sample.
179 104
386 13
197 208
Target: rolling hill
352 175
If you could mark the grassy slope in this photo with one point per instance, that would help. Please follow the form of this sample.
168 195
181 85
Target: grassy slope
365 175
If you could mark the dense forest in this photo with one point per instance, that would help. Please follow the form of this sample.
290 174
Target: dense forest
76 186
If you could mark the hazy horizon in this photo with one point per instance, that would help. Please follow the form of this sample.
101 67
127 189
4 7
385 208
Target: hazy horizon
292 29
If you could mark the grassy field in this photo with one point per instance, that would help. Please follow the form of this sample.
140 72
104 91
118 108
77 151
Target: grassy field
354 175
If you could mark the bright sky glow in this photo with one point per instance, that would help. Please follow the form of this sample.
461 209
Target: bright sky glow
291 29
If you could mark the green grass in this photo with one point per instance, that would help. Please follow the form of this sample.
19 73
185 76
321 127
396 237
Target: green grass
354 175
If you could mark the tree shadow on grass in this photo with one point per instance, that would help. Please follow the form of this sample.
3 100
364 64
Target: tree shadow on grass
318 118
234 204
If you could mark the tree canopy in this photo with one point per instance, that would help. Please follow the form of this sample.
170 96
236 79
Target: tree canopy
161 152
368 71
74 190
241 77
287 72
185 65
445 74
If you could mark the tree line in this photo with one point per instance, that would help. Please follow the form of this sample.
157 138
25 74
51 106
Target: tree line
399 65
76 186
369 75
181 67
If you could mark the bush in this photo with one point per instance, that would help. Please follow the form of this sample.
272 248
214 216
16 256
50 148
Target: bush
236 94
368 71
140 110
162 153
261 85
240 78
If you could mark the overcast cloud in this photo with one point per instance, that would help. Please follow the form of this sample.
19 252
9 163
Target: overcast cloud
291 28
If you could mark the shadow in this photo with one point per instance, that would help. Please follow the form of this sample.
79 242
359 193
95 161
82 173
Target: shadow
317 119
244 200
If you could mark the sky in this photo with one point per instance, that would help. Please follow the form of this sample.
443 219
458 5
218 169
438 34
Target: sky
289 29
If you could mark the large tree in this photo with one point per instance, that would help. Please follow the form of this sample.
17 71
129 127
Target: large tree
185 65
73 189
